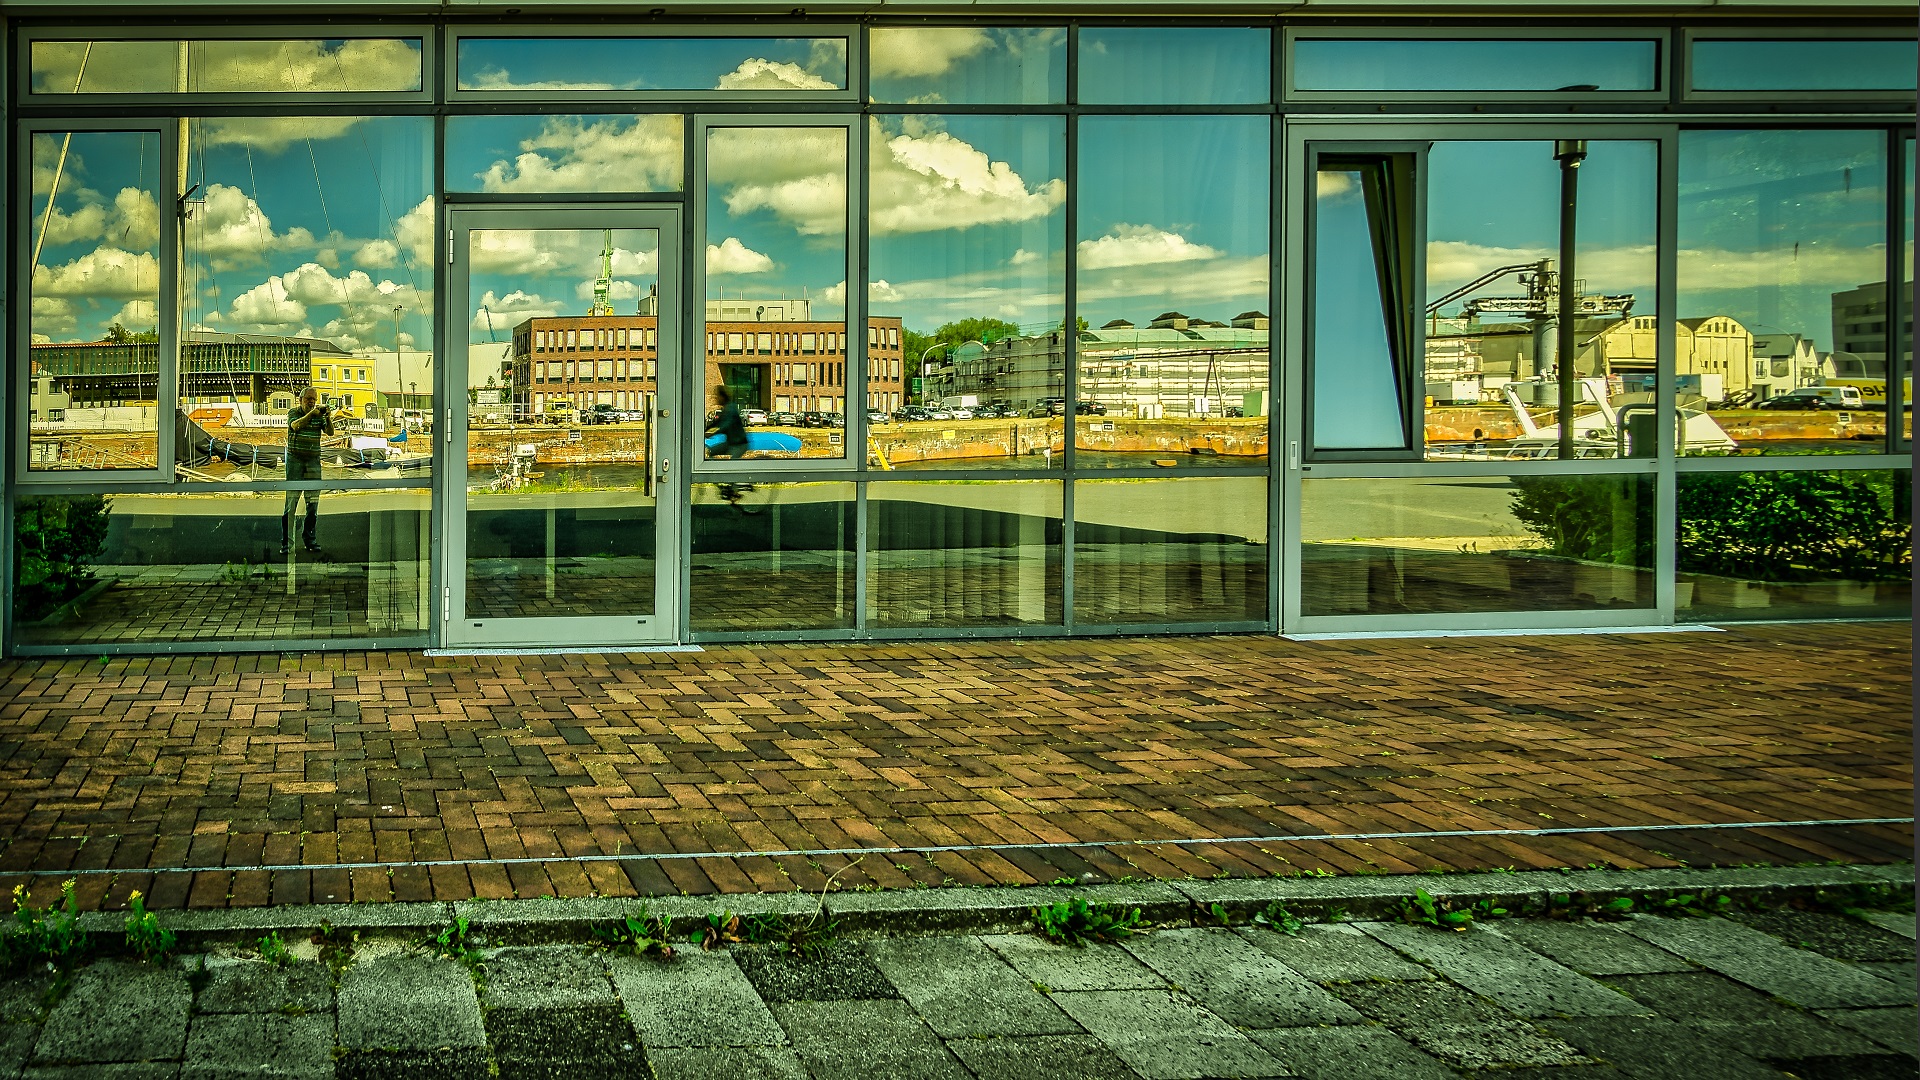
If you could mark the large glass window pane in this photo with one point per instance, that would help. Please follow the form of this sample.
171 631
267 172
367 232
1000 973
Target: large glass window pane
967 65
222 66
203 568
1407 64
589 154
783 559
643 64
1170 551
93 318
1172 270
1805 63
1160 65
1783 292
1494 288
967 290
963 554
308 262
1426 545
1795 545
776 320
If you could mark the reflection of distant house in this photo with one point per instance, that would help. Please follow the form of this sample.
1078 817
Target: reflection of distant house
1175 366
1782 362
1860 322
213 368
1714 347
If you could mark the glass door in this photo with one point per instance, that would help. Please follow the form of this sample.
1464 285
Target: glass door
561 424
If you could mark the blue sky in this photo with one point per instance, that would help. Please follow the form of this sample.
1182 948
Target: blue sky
689 63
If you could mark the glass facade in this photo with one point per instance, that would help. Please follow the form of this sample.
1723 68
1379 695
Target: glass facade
960 329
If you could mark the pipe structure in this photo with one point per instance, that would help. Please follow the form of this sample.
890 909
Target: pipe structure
1569 153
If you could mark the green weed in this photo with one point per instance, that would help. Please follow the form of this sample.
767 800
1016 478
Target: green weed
723 928
51 934
145 936
1075 922
274 951
451 943
640 934
1275 917
336 947
1424 910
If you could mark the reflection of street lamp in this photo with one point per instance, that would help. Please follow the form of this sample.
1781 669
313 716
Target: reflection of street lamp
399 366
1569 153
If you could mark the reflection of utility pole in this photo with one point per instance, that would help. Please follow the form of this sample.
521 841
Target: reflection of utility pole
1569 153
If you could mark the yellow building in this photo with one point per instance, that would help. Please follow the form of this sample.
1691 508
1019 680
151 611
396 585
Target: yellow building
1715 345
346 382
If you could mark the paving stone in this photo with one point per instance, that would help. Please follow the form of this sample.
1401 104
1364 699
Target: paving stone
579 1040
1358 1052
1655 1048
1761 961
963 989
842 971
235 985
1897 922
1069 967
863 1039
1456 1026
699 999
1238 983
23 997
1858 1067
1165 1035
437 1033
1591 948
1901 973
546 977
1336 953
1895 1029
1830 935
118 1010
260 1044
732 1062
1040 1057
1521 980
136 1070
1741 1018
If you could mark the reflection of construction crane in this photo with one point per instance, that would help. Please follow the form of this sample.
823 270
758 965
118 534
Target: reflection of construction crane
1542 301
604 284
491 336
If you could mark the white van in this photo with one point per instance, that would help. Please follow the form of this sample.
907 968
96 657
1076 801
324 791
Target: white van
1818 397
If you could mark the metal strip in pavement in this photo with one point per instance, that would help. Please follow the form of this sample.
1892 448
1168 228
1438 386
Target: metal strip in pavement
1430 834
1378 635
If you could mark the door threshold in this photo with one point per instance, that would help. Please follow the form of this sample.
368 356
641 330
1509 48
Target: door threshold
566 650
1366 635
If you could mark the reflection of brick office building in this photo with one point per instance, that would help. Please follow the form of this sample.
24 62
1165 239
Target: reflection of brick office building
214 368
772 352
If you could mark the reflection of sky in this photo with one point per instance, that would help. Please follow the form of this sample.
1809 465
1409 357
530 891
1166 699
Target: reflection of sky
1493 204
954 65
776 225
1163 65
1173 216
1773 223
690 63
1354 404
522 274
1332 64
981 257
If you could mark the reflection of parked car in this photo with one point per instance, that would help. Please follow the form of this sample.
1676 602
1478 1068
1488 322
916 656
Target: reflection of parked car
600 414
1090 408
753 417
835 419
1817 397
962 414
784 419
913 412
939 413
876 416
1052 406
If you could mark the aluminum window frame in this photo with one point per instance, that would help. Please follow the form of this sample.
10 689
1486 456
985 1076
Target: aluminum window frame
167 368
426 33
851 32
1662 38
852 462
1683 82
1292 291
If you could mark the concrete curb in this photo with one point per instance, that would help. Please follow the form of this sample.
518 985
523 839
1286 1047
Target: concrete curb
907 912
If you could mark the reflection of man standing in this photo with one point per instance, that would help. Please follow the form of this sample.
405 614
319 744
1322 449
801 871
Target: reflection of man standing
307 423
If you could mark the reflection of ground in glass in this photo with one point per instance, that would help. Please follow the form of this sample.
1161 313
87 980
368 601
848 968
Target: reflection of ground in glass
964 554
789 567
574 553
1165 551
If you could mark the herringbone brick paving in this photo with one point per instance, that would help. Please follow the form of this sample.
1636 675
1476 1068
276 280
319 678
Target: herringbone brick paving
218 764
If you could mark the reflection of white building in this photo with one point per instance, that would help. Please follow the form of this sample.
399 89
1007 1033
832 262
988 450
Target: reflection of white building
1782 362
1175 366
404 379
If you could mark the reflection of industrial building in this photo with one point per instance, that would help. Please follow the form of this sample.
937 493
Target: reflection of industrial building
773 354
1860 320
213 368
1176 366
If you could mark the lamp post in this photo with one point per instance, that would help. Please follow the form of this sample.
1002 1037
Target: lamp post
1569 153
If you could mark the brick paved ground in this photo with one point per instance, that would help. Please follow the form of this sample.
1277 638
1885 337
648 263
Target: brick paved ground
222 763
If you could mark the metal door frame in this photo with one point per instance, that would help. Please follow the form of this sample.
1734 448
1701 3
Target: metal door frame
456 631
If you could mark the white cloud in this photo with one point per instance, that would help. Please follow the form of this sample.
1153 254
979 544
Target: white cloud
134 223
756 73
267 308
270 134
1140 245
641 154
230 230
922 51
87 223
1818 266
283 305
53 315
1021 257
1329 183
138 315
1217 282
510 310
105 273
377 254
414 232
878 292
926 181
730 256
617 289
215 66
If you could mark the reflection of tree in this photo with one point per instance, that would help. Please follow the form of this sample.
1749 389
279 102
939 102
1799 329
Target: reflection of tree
56 539
120 335
960 330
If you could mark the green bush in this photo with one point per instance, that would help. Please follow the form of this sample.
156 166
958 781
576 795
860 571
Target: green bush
1768 526
56 540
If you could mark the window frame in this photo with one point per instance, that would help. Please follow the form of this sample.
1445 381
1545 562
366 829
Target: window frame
1662 66
425 33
